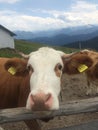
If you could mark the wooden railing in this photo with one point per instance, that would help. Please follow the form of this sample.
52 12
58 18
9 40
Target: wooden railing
69 108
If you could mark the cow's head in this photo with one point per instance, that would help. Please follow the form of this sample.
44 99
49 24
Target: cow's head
45 68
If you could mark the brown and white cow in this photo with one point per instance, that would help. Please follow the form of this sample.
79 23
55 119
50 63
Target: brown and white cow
85 61
34 82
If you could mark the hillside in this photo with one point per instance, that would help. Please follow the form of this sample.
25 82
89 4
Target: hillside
62 39
90 44
27 47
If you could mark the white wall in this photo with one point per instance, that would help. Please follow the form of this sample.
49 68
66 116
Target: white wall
6 40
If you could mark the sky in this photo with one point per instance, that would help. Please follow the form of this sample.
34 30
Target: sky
42 15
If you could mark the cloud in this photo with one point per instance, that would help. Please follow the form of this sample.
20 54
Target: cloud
83 6
17 21
80 13
9 1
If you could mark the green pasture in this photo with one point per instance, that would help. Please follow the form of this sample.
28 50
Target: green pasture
27 47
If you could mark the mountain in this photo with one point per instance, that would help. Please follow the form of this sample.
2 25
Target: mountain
88 44
62 39
60 36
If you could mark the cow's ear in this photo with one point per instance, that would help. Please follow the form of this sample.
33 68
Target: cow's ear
93 72
77 63
16 66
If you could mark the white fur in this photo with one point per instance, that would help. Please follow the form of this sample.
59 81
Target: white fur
44 79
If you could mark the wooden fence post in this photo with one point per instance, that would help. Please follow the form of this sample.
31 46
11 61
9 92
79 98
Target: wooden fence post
33 124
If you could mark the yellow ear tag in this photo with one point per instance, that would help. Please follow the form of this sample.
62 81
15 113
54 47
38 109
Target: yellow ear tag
82 68
12 70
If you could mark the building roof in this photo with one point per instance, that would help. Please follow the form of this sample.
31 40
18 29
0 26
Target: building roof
7 30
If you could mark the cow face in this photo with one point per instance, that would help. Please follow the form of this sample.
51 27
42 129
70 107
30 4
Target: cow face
44 67
45 79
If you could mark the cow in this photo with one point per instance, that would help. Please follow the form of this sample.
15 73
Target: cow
84 61
33 81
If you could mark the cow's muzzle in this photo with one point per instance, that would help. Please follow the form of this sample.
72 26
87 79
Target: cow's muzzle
41 101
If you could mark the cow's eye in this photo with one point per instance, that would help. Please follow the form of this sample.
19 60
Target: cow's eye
58 69
59 66
29 67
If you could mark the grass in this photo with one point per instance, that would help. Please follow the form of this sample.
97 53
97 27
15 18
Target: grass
27 47
7 52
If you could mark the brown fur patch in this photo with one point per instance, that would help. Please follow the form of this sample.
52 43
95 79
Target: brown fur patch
20 65
86 57
14 90
93 72
71 65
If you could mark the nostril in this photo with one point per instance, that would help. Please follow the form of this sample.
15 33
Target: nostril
34 98
49 100
48 96
31 96
31 100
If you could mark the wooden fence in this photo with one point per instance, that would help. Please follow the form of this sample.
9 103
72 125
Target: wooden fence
72 107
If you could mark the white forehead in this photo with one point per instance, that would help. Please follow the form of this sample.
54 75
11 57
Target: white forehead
45 56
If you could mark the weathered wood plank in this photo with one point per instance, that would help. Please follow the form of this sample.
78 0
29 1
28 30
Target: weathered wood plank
69 108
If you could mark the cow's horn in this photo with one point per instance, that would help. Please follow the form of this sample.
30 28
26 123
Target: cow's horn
24 55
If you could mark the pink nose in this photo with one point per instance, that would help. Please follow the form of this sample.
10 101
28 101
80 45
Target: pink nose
41 101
